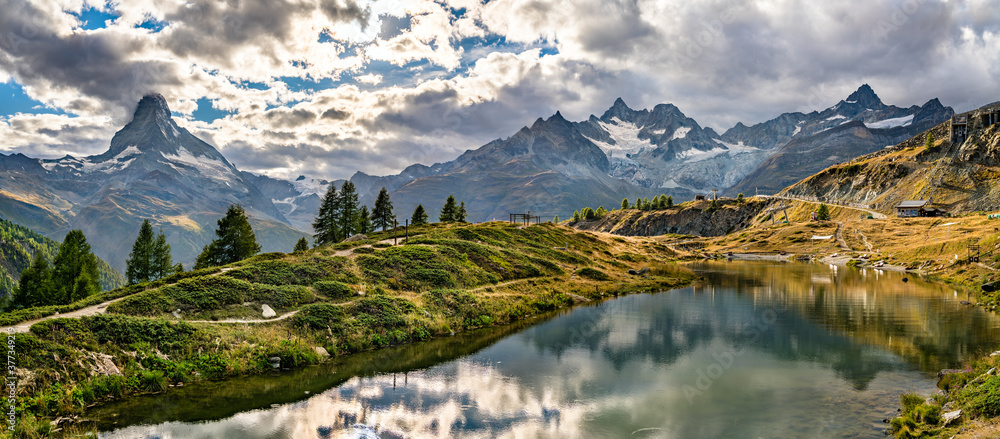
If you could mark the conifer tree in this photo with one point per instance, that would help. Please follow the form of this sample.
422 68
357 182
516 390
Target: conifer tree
823 214
449 210
670 202
138 267
460 214
348 210
638 204
419 216
646 205
739 197
301 246
365 221
624 203
663 201
382 212
74 274
235 240
555 219
150 257
326 223
35 286
576 216
163 265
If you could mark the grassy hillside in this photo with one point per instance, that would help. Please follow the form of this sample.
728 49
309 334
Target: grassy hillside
959 178
18 246
346 298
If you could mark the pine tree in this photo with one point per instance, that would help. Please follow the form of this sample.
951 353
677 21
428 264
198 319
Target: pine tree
662 201
75 274
555 219
600 212
301 246
35 286
624 203
235 240
576 216
162 265
382 212
670 202
326 223
739 197
419 216
638 204
588 213
348 210
460 214
823 214
365 221
930 141
449 210
138 267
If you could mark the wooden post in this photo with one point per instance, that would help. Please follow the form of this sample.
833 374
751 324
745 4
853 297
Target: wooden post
395 225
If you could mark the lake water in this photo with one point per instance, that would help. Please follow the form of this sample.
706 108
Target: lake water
757 350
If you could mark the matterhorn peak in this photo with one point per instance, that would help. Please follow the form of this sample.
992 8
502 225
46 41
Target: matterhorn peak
152 106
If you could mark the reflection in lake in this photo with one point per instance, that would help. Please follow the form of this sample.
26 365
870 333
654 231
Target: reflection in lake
757 350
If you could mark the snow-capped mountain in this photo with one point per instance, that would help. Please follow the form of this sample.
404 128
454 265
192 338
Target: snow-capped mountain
645 153
664 150
153 169
808 143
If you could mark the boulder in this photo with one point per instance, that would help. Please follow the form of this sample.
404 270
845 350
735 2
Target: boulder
268 312
321 352
990 287
358 237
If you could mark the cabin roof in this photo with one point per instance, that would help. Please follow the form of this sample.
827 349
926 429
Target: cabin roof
909 204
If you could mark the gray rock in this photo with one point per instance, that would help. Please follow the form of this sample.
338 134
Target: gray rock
268 312
321 352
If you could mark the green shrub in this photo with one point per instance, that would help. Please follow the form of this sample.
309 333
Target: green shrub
153 381
983 399
213 366
274 272
592 274
125 330
282 296
381 245
333 289
364 250
319 316
382 311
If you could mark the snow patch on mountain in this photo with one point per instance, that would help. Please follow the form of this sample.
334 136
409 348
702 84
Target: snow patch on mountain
835 117
206 166
892 123
680 133
625 136
308 186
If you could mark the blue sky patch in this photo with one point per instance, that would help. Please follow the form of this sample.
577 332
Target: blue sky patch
13 100
94 19
207 113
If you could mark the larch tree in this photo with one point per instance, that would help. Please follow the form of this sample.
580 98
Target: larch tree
448 211
419 216
35 286
235 240
365 221
74 274
301 246
382 212
326 223
348 210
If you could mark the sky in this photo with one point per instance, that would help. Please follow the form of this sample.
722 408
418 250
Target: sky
329 88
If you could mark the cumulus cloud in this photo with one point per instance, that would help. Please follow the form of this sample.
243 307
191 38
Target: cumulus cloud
330 87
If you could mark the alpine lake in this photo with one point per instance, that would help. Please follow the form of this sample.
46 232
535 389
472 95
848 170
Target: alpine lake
756 350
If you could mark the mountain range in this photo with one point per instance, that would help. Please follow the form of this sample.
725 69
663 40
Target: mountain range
158 170
556 166
153 169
